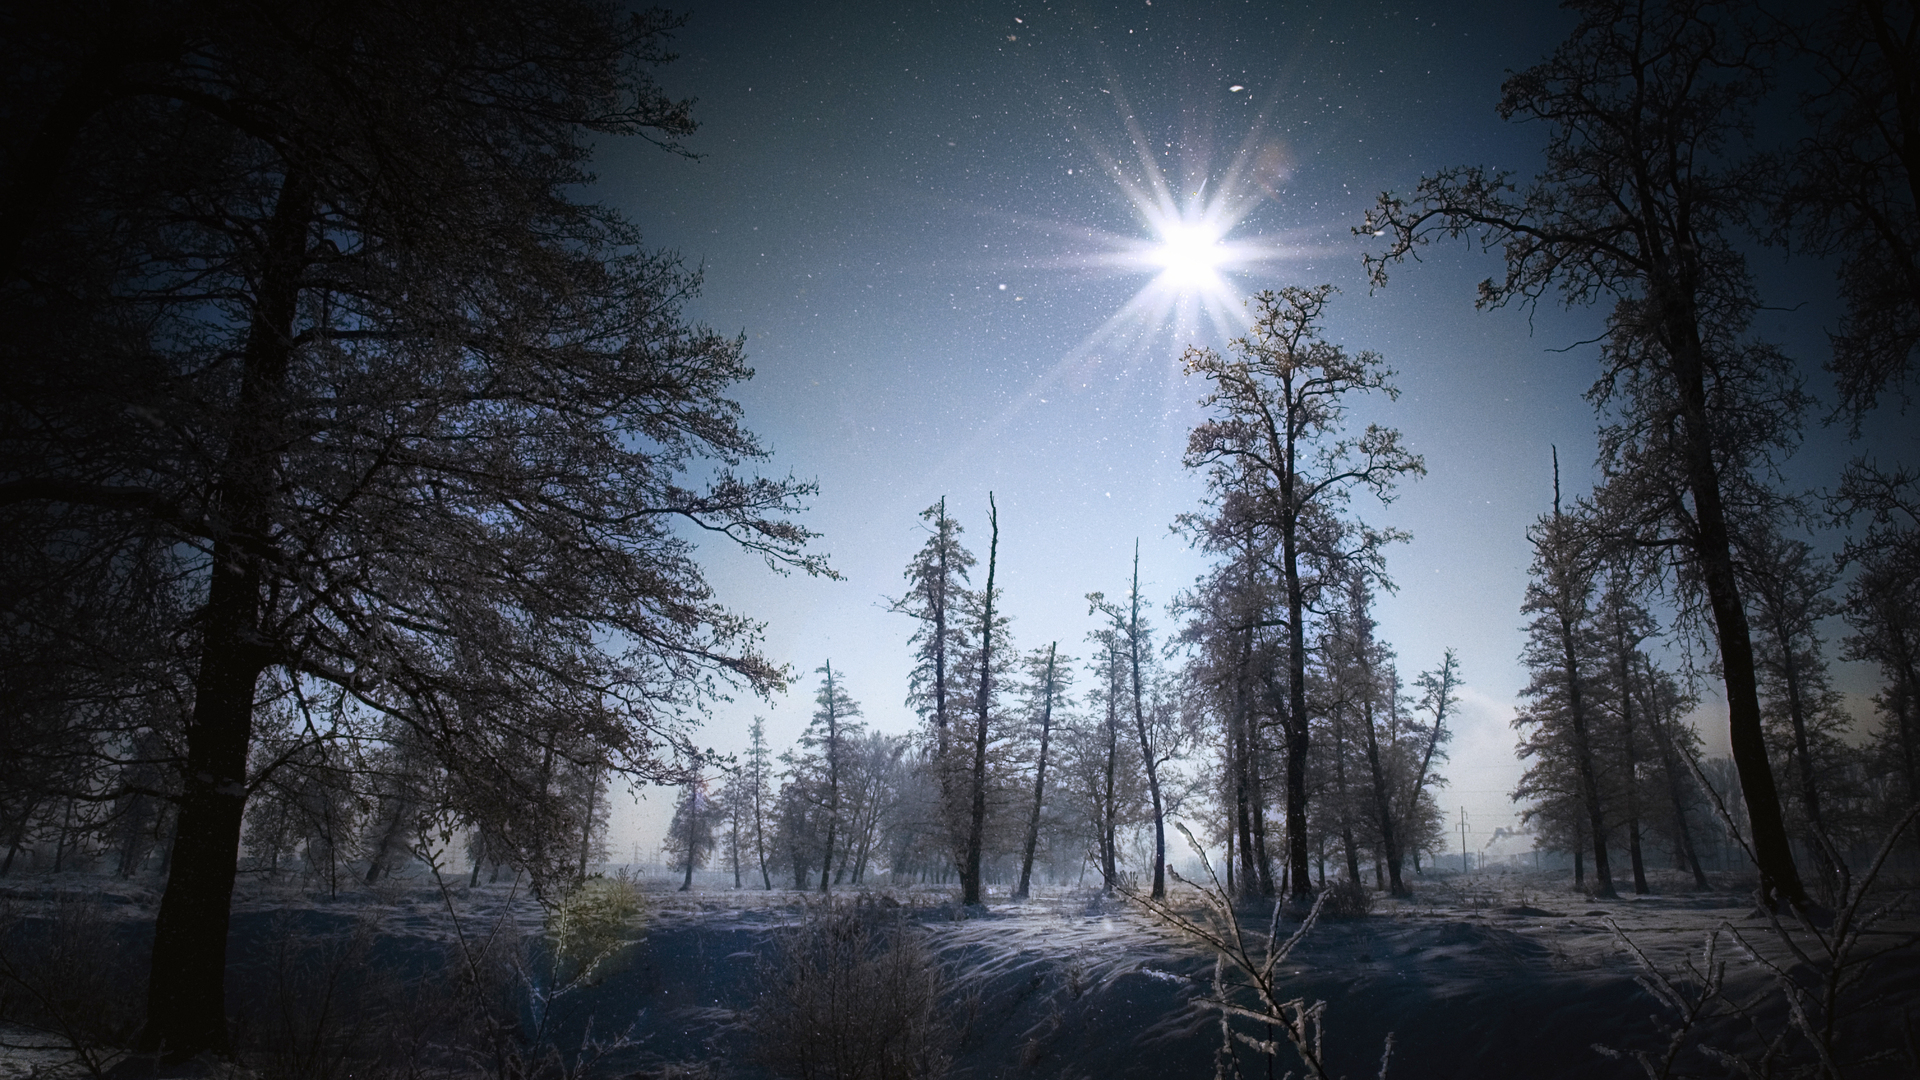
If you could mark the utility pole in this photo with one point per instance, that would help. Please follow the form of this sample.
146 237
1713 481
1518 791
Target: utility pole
1464 857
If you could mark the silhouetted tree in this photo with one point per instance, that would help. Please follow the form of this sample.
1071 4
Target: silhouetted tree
689 839
1640 193
1560 655
985 661
1852 189
304 296
1156 739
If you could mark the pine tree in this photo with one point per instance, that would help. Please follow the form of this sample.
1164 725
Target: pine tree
1560 655
690 835
824 759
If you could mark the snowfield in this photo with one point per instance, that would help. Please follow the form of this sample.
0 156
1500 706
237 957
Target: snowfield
1490 974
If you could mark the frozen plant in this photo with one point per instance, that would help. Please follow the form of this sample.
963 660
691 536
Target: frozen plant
1246 976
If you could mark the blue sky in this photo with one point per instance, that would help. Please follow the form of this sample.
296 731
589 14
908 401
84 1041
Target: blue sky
918 216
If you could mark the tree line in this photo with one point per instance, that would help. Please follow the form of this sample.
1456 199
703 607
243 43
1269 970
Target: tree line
1028 779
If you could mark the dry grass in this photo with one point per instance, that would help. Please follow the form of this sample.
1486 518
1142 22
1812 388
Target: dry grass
851 993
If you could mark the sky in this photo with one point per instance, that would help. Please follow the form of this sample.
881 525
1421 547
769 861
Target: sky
967 244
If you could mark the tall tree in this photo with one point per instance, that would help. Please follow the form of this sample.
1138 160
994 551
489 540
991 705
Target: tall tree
1438 697
1377 717
990 647
824 760
1105 791
689 839
1154 737
1560 655
1277 409
1621 624
754 791
416 421
1050 680
1230 623
1883 605
1852 189
1644 105
1665 704
936 586
1801 710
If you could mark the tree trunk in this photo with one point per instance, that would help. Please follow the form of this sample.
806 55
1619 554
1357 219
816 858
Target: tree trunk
1262 859
1583 759
1296 712
1240 748
186 987
1341 800
586 828
833 779
1039 777
1108 807
1803 759
1713 547
1676 789
977 775
1634 854
1382 806
1147 750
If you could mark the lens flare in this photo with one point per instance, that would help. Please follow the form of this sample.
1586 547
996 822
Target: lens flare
1190 256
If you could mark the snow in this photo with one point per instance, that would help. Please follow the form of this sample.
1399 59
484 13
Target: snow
1487 974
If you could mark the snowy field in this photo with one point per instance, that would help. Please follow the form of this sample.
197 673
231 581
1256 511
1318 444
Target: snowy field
1489 974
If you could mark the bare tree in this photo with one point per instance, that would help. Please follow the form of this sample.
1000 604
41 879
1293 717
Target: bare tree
1052 678
986 659
1277 409
1155 738
1852 187
1438 690
1643 105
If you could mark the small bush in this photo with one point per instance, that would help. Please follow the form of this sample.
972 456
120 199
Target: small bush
1347 899
851 994
593 922
66 971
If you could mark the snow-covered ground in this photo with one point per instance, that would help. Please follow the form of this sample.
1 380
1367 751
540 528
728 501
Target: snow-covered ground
1502 973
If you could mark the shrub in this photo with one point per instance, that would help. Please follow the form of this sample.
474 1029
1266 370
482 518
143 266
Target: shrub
1347 899
591 924
851 994
65 970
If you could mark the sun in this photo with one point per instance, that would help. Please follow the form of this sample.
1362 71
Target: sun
1190 256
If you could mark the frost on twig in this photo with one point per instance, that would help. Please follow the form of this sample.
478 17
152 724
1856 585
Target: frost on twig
1820 986
1246 983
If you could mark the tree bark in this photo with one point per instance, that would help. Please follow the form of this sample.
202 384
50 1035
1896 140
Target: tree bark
1382 805
1296 718
186 988
833 779
1583 760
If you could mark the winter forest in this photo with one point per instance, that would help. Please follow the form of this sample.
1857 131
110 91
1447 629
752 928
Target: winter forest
385 508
